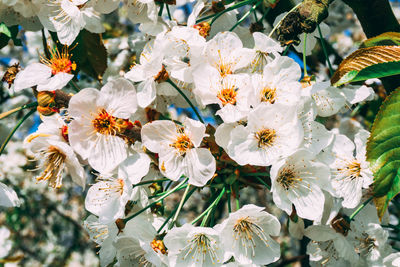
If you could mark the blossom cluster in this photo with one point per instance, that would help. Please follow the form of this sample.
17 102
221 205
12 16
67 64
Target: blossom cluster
267 129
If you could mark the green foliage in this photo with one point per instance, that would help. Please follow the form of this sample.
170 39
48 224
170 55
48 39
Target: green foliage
387 38
368 63
383 152
7 34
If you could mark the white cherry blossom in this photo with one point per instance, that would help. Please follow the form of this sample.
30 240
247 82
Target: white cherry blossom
246 235
179 150
266 139
68 18
51 74
190 246
299 180
98 118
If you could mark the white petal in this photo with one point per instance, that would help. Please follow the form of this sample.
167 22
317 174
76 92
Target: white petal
157 132
135 167
171 165
196 131
108 152
92 21
200 165
32 75
309 203
106 205
69 26
58 81
146 93
8 197
83 103
81 138
320 233
119 98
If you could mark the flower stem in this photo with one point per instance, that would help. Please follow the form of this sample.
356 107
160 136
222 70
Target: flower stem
161 9
229 201
256 174
235 6
168 12
253 8
263 183
8 113
176 188
181 204
321 38
187 100
74 85
151 182
279 23
3 146
174 211
215 202
304 55
360 208
286 50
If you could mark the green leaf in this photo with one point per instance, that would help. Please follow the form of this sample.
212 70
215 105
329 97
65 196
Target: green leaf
368 63
387 38
383 152
5 35
4 30
96 54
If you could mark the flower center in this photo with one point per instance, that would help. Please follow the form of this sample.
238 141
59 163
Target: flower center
59 62
105 124
268 95
367 243
182 143
228 95
287 178
98 232
330 251
224 66
162 76
201 246
352 169
112 185
54 165
259 61
158 246
245 230
266 137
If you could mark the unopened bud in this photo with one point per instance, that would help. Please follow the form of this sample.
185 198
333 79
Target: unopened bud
47 111
46 98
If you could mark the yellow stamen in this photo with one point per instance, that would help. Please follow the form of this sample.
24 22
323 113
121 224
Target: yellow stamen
266 137
59 62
